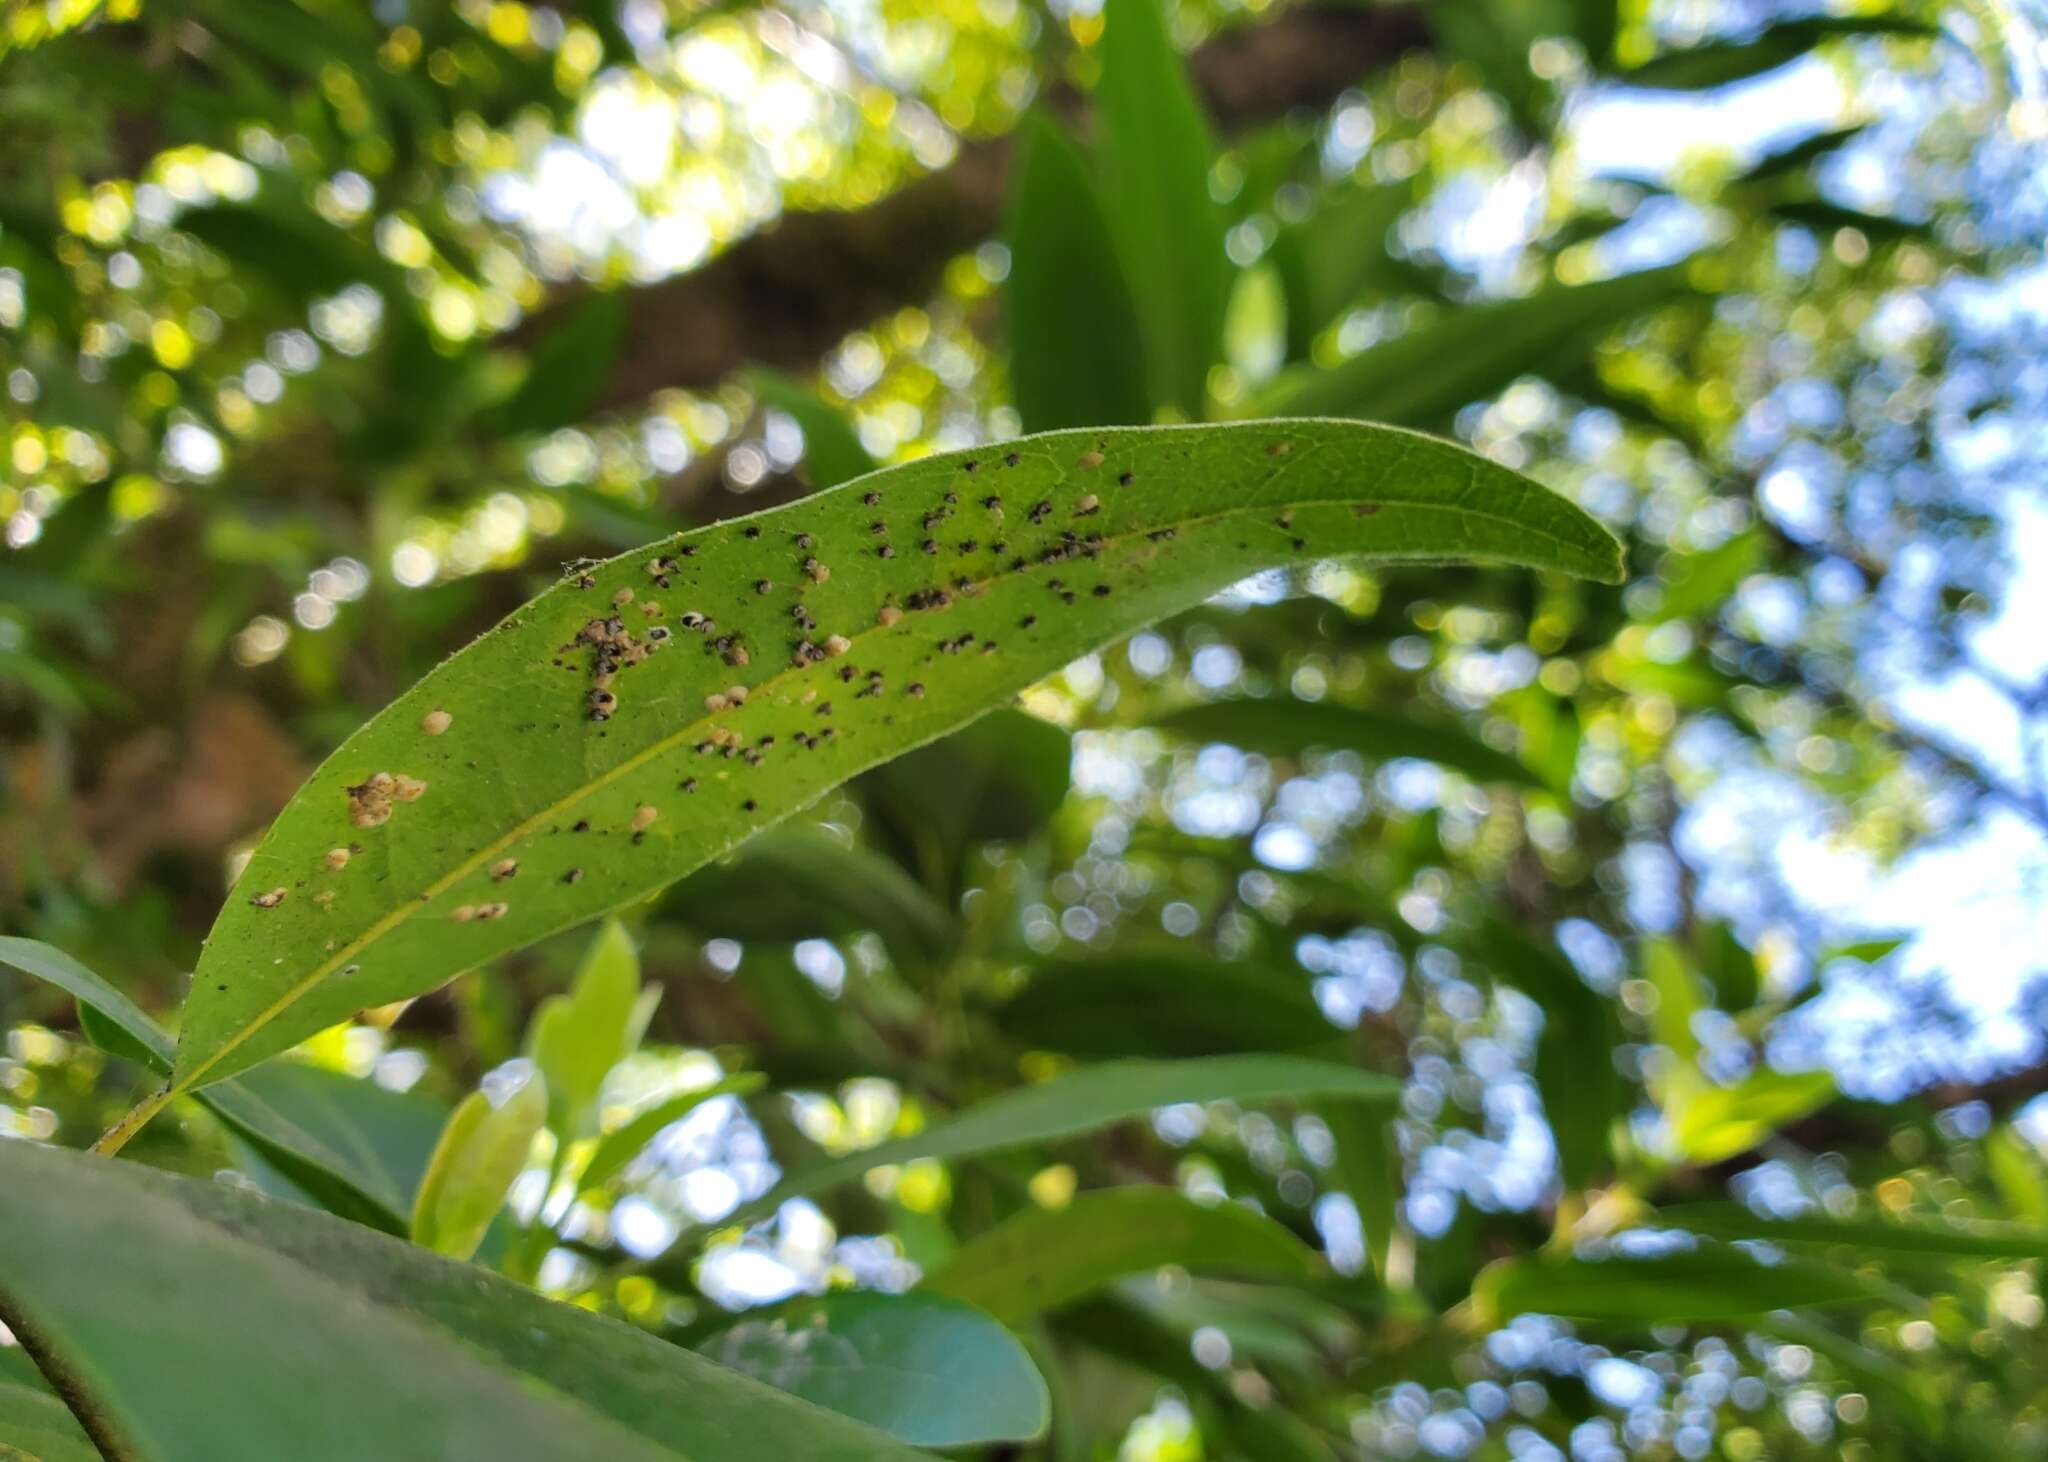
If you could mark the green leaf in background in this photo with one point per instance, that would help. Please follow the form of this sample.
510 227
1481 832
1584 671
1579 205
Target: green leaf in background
832 450
109 1019
1952 1239
347 1144
336 1140
1824 218
804 883
1156 155
566 373
218 1324
1711 1124
35 1427
1091 1097
927 1370
1163 1005
1288 727
577 1038
617 1148
1698 68
1044 1258
482 1150
1369 1172
486 807
1337 257
1077 357
1703 1284
1471 353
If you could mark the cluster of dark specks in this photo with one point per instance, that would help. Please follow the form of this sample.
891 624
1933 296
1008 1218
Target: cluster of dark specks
370 800
464 913
270 899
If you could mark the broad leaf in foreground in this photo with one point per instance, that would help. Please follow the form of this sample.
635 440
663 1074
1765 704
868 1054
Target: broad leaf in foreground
650 713
923 1368
218 1324
1043 1258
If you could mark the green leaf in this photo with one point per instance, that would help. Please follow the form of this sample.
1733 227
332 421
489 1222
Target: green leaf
1472 352
1717 63
566 373
1797 155
346 1144
1824 218
804 883
1077 357
109 1019
832 450
1707 1283
218 1324
1337 257
924 1369
1092 1097
624 1143
1042 1259
482 1150
338 1140
1953 1239
528 816
1369 1171
1711 1124
1288 727
35 1427
1156 156
577 1038
1163 1005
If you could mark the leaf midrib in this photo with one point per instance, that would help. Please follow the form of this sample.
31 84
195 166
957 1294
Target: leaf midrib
482 856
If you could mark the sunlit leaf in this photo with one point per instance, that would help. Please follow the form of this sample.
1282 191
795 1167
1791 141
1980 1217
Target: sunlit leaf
486 808
925 1369
482 1149
578 1037
1043 1258
213 1323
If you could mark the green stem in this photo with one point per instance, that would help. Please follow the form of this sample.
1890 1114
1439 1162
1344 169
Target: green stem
116 1137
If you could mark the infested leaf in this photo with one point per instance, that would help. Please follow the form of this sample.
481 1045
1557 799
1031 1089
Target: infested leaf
549 794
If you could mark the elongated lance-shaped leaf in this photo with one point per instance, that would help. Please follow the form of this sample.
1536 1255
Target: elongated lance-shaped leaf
650 713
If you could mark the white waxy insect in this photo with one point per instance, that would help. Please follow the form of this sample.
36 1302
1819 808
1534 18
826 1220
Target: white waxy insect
737 694
269 900
624 596
837 645
1090 458
887 615
462 913
435 722
1088 504
408 789
503 869
717 701
337 858
492 911
643 818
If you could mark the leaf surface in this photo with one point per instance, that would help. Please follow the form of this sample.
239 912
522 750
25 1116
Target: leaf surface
219 1324
1708 1283
486 807
1042 1258
925 1369
482 1150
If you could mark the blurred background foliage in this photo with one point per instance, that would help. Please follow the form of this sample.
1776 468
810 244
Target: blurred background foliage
329 331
